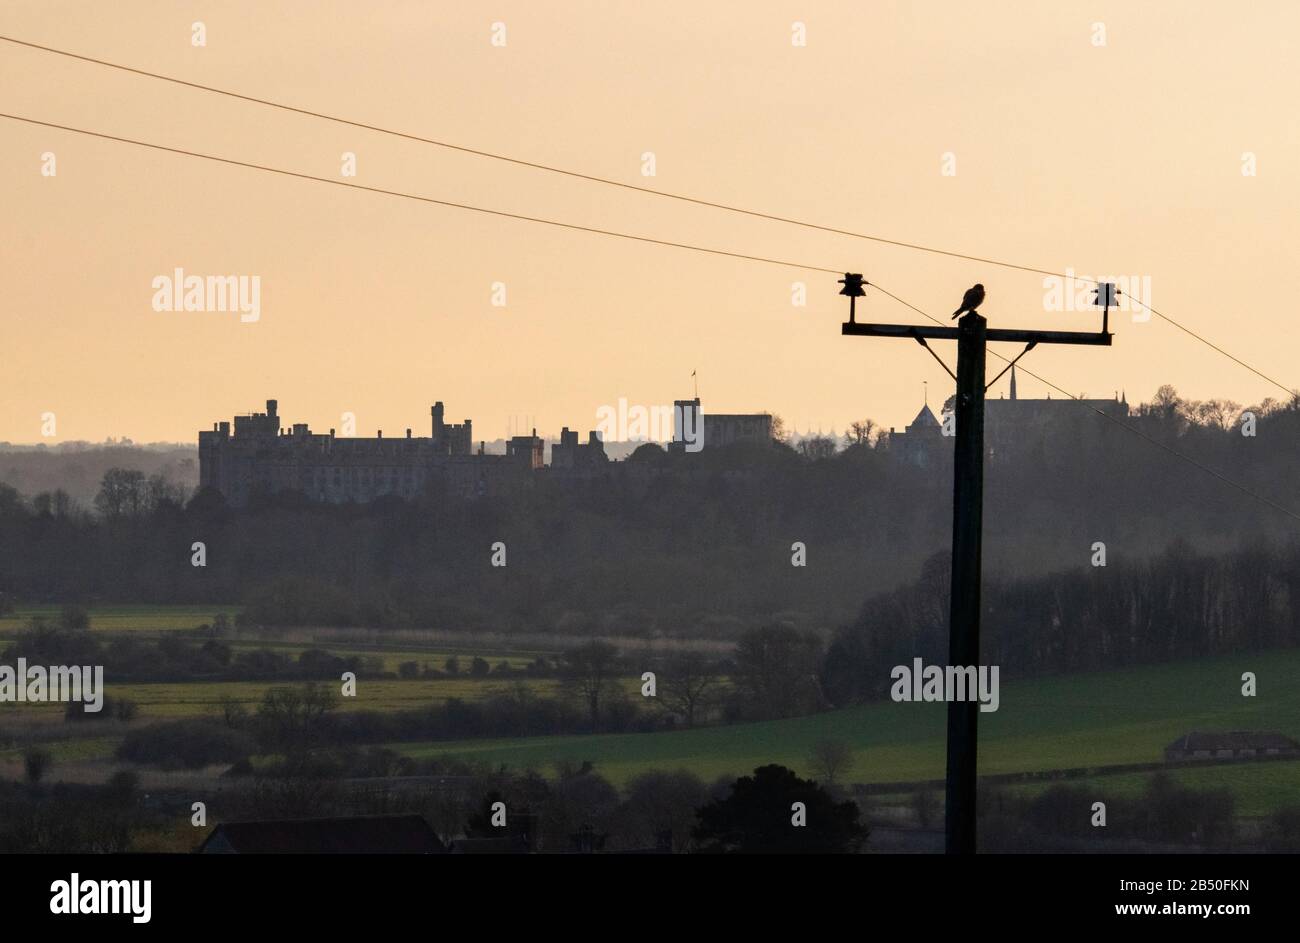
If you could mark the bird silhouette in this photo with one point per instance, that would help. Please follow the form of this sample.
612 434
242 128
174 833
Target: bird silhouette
973 298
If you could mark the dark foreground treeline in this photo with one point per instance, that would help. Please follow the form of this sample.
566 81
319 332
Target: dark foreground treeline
576 810
1164 813
1177 605
299 722
676 544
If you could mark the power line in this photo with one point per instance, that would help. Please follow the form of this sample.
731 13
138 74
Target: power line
535 165
1214 346
414 196
1123 425
619 235
592 178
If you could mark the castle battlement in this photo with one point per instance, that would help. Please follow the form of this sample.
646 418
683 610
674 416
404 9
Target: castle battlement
259 456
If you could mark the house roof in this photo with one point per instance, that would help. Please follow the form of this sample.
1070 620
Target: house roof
925 418
505 845
1233 740
360 834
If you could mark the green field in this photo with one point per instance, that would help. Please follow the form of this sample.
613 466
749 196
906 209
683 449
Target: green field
165 619
1259 788
393 656
1123 716
168 701
390 658
1113 717
133 618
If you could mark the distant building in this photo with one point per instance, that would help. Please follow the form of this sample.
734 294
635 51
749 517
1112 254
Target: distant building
451 440
526 451
1230 745
568 453
1012 426
1011 423
505 845
920 442
719 429
360 834
260 457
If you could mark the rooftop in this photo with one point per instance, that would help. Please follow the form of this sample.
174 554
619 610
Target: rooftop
360 834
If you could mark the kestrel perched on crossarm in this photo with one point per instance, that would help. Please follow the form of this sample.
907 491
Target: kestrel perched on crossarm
973 298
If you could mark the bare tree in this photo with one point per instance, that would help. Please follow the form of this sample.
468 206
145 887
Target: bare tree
779 433
121 493
660 808
160 491
291 718
818 447
35 763
589 670
1218 413
687 681
233 712
829 759
861 432
775 671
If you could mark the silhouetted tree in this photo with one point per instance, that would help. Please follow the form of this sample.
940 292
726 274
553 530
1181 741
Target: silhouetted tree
658 805
776 671
121 493
830 759
35 763
588 672
686 682
291 718
757 817
817 448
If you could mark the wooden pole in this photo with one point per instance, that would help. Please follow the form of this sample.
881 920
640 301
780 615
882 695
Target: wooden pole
964 620
972 335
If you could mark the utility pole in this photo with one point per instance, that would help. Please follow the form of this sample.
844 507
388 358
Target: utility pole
964 611
972 335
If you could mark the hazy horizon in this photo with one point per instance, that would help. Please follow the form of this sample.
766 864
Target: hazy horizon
1118 159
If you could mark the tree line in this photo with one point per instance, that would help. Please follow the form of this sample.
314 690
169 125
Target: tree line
1179 604
698 545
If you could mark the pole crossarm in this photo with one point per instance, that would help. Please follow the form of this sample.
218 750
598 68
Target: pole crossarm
1011 335
921 340
1028 347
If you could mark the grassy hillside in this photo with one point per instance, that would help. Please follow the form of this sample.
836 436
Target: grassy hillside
1258 788
1124 716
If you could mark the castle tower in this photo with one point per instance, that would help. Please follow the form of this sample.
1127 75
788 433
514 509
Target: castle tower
436 412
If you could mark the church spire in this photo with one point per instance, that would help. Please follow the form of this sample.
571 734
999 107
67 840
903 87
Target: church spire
1013 381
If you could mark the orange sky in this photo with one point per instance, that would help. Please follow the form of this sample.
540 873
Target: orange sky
1117 159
